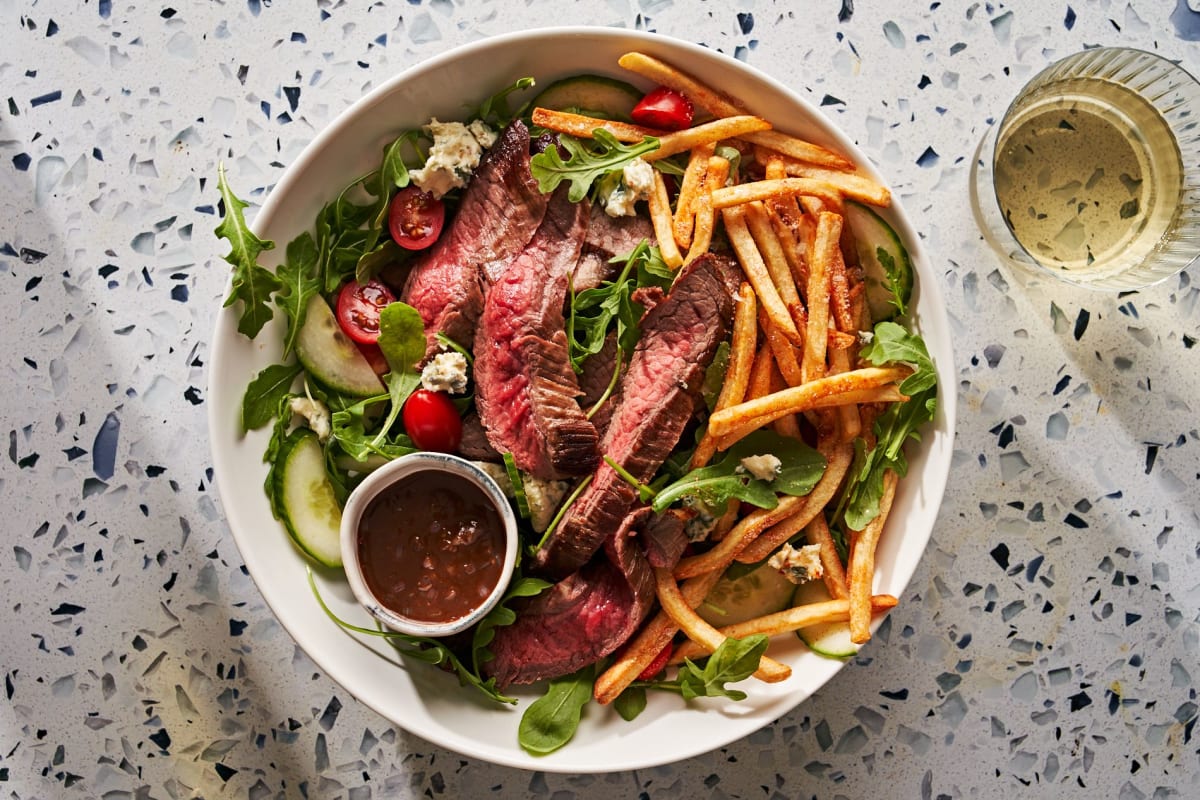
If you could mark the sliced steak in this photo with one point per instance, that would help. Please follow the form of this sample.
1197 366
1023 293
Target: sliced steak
525 390
474 444
580 619
608 237
664 539
497 216
656 399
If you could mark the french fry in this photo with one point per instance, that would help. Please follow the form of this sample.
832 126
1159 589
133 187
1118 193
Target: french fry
863 398
800 150
737 375
699 631
581 126
717 174
769 245
838 457
786 621
707 133
784 426
744 532
861 572
854 185
760 373
756 271
648 642
804 397
848 419
660 216
764 190
839 293
817 532
781 349
826 241
690 188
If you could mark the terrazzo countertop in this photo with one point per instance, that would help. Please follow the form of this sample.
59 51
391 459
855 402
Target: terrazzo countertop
1048 646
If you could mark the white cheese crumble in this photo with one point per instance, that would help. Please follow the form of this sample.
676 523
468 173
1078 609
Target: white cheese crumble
447 372
798 565
543 498
315 413
702 522
764 467
637 182
454 155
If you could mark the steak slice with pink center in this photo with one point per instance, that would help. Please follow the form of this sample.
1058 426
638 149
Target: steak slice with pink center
526 393
500 210
656 399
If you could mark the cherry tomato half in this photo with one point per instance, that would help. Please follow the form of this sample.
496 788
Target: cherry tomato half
358 307
664 109
658 664
432 421
415 218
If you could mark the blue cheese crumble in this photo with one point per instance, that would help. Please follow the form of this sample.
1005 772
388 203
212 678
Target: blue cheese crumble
764 467
454 155
447 372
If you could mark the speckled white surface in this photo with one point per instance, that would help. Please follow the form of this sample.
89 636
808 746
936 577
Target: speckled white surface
1047 647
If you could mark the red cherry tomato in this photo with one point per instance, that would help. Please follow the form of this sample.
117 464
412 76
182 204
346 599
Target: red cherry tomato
415 218
432 421
658 664
664 109
358 307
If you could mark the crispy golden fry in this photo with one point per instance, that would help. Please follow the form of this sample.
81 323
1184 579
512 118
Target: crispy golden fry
826 242
784 426
699 631
737 374
760 373
781 349
800 150
839 293
660 216
582 126
648 642
786 621
705 216
707 133
849 421
756 271
834 576
861 573
690 188
804 397
854 185
759 223
765 190
838 457
853 397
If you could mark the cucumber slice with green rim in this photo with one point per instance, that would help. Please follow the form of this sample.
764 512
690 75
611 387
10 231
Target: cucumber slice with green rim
329 355
887 269
305 495
757 593
595 95
830 639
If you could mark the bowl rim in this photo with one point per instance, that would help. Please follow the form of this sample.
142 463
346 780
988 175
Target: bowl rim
938 443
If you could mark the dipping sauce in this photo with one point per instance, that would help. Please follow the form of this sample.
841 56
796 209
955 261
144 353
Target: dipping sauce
431 546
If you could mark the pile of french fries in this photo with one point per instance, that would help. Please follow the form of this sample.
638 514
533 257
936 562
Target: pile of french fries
792 355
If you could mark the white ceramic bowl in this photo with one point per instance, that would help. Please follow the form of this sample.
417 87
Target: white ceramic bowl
387 475
429 702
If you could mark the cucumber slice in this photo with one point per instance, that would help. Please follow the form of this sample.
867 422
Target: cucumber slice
887 269
761 591
595 95
830 639
303 492
329 355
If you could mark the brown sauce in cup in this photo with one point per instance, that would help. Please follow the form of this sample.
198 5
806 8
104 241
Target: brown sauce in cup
431 546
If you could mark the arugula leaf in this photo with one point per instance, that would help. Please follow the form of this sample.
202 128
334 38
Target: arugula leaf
349 430
593 311
402 340
251 283
630 703
800 469
587 161
895 426
391 175
734 660
550 721
261 401
714 376
501 615
495 111
370 263
283 420
299 281
892 343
